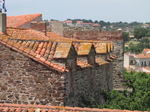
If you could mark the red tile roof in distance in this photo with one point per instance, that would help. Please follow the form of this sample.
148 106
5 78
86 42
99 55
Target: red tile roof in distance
146 50
48 108
17 21
142 56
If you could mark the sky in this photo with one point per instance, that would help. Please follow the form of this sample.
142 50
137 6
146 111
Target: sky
106 10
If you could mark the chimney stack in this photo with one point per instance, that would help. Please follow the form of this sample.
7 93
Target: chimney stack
2 22
39 26
57 27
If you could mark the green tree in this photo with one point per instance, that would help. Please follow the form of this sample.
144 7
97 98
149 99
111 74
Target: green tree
126 36
95 21
140 32
138 98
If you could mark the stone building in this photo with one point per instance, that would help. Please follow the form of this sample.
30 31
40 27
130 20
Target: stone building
47 68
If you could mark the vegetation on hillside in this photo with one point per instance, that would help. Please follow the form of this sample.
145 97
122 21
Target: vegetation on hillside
141 32
138 48
138 98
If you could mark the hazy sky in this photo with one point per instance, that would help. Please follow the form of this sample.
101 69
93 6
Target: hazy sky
106 10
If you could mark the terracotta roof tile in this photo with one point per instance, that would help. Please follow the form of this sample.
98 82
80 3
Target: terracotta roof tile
100 61
84 48
17 21
83 64
109 59
146 50
101 47
142 56
39 48
49 108
62 50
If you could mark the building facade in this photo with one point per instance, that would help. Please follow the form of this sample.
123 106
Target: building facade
138 62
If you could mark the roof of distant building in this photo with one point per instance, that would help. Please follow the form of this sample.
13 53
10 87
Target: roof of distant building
146 50
142 56
96 25
79 22
68 21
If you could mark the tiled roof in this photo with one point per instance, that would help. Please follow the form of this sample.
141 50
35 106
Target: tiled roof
96 25
83 64
48 108
84 48
101 62
62 50
142 56
68 21
17 21
79 22
101 47
146 50
45 49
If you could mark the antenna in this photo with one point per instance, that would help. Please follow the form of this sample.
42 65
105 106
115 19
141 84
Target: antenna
0 6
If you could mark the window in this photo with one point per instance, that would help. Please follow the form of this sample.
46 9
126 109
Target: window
142 63
145 63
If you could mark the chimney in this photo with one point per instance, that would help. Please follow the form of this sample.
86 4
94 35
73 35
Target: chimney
57 27
2 22
39 26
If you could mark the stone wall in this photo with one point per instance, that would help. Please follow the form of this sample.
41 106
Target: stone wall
24 81
39 26
93 35
113 36
87 83
57 27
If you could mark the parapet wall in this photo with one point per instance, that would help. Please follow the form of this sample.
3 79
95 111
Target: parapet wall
114 36
89 82
94 35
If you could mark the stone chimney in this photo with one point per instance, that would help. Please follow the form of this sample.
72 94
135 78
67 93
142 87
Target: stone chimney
2 22
39 26
57 27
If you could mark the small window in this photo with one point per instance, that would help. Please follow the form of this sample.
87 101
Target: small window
142 63
145 63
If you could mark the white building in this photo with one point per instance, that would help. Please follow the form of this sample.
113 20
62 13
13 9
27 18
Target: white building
68 22
79 23
138 61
